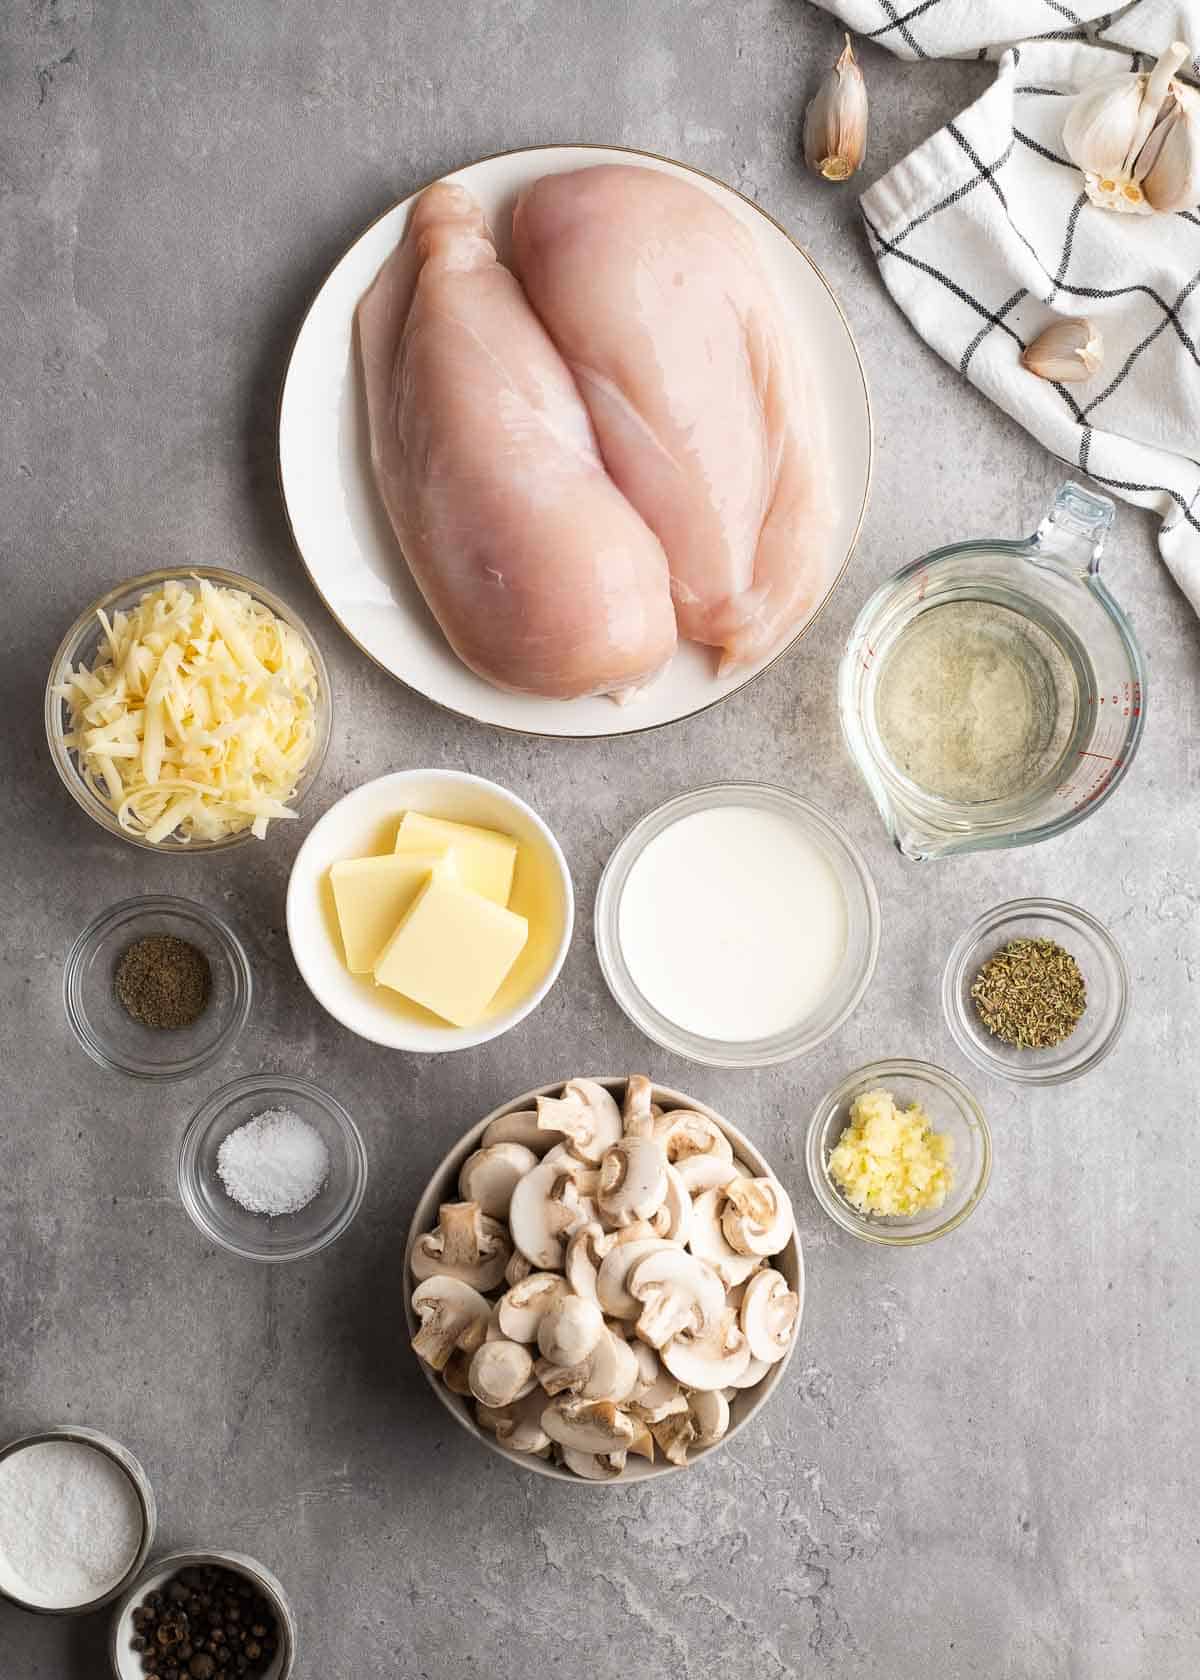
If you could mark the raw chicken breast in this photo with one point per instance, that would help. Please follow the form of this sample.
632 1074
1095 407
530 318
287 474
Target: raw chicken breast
655 297
542 576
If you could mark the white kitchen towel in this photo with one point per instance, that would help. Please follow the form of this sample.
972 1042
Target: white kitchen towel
984 235
980 28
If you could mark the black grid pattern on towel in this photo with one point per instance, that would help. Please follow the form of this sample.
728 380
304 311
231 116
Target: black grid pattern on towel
988 175
898 20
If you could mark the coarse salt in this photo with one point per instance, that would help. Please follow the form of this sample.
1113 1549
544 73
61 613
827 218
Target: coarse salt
275 1163
71 1524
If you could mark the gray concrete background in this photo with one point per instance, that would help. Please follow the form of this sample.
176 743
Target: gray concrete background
984 1460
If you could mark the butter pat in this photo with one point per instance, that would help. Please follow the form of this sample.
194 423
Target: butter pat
371 895
452 951
485 859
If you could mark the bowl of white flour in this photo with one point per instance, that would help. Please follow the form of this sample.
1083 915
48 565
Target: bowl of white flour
77 1520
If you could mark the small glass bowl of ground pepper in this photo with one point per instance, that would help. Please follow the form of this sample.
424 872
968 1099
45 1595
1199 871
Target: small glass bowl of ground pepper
1036 991
204 1616
157 987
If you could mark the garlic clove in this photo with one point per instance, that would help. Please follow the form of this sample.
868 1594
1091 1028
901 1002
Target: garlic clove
1122 128
835 125
1102 123
1171 178
1068 351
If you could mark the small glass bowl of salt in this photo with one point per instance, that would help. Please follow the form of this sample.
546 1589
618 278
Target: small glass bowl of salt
272 1168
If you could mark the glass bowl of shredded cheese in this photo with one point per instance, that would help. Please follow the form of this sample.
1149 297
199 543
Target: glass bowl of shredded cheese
187 710
899 1153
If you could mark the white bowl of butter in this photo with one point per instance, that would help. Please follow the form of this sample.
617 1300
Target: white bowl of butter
470 886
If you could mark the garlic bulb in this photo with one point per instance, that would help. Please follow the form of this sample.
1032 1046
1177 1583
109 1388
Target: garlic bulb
1137 139
1068 351
835 126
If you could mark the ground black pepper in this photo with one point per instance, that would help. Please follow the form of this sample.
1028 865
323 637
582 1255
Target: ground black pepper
195 1628
163 981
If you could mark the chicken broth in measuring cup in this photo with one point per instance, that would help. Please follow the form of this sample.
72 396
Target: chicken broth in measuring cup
976 702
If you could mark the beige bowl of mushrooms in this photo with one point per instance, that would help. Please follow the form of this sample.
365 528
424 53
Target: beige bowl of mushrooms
603 1280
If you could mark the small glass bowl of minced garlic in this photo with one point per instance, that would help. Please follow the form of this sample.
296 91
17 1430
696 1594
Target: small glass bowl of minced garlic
899 1152
1036 991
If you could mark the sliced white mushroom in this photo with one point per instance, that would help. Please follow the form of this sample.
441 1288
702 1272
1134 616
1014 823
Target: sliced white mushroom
500 1373
455 1373
674 1217
519 1426
586 1115
706 1238
521 1309
712 1359
610 1372
465 1244
675 1433
709 1412
521 1127
490 1175
699 1173
585 1252
768 1314
754 1373
594 1467
547 1208
570 1330
518 1267
677 1292
757 1216
639 1110
589 1426
452 1314
611 1292
656 1392
684 1133
633 1181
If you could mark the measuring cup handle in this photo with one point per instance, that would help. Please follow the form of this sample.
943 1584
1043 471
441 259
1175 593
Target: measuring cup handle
1075 528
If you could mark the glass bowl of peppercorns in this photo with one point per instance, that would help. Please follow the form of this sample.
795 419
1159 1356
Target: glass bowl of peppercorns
157 987
204 1616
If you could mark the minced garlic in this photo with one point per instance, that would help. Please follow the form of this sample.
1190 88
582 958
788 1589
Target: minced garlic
889 1160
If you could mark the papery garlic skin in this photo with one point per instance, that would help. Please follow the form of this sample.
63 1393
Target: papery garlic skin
1136 137
1102 123
835 125
1172 180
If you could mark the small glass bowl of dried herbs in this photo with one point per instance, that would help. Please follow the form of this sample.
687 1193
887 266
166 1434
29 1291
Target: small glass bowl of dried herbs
157 987
1036 991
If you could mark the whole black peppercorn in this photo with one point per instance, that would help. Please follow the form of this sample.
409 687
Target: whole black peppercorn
202 1666
178 1593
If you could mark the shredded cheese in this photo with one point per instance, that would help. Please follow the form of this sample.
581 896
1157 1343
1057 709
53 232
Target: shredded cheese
199 716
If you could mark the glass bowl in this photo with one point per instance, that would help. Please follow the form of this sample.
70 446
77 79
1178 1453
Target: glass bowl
951 1108
1104 973
139 1483
255 1236
104 1027
862 929
79 646
127 1663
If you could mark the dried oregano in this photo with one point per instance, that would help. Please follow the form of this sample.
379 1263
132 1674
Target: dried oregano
1031 994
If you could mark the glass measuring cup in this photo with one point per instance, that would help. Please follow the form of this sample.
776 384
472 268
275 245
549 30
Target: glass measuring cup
1085 672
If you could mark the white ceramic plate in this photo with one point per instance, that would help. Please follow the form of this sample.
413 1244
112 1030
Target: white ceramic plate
364 824
343 533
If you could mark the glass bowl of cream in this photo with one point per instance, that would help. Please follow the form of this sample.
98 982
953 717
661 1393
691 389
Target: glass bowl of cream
737 925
